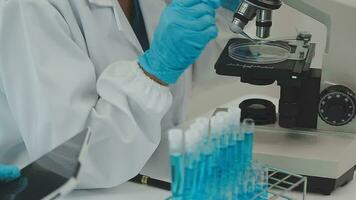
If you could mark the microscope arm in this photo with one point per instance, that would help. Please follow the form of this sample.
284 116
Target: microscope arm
306 7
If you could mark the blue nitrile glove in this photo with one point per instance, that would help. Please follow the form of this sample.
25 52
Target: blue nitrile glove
9 173
230 4
185 28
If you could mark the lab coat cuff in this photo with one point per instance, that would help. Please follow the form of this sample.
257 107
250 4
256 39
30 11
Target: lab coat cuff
129 78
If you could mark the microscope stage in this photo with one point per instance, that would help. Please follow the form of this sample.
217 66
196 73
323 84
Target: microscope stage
290 70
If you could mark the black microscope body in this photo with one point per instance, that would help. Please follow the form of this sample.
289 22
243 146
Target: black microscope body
299 83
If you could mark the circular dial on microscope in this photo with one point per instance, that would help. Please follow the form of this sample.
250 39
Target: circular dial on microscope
337 105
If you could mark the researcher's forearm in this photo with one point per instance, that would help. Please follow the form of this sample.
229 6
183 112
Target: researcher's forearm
127 119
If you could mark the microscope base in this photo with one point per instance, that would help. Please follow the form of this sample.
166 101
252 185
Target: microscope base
326 186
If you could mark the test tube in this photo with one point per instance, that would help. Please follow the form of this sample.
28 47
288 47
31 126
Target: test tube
235 150
214 184
176 146
226 156
235 113
223 135
191 162
203 121
205 164
262 181
248 129
252 183
233 153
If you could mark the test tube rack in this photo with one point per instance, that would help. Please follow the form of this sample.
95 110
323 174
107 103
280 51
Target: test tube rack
281 183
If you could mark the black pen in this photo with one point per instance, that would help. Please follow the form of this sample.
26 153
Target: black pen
146 180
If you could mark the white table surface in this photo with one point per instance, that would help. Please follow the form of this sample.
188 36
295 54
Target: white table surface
132 191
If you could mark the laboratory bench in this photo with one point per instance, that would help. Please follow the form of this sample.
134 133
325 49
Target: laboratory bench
132 191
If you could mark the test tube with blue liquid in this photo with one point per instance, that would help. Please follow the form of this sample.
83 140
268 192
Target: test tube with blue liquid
224 153
262 182
248 129
235 145
176 146
217 161
191 163
216 130
202 126
196 165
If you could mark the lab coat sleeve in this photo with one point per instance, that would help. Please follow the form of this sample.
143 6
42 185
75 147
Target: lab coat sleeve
53 93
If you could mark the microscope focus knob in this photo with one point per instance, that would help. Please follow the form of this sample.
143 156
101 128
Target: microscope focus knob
337 105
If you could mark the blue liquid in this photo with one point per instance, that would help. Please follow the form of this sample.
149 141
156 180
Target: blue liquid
224 154
264 195
218 173
189 181
177 168
248 148
205 176
210 174
240 154
231 157
221 169
189 175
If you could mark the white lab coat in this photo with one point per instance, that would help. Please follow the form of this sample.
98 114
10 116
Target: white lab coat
69 64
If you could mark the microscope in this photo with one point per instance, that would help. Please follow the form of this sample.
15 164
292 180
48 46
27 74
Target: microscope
314 131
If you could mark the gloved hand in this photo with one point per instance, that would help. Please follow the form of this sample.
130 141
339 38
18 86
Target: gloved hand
8 173
230 4
185 28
